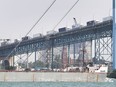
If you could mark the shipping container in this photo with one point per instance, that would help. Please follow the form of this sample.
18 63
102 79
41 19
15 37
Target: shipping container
92 23
25 38
51 32
37 35
63 29
4 43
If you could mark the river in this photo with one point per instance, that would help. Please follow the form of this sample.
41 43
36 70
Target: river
58 84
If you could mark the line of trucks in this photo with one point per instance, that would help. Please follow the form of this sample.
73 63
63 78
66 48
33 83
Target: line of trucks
60 30
64 29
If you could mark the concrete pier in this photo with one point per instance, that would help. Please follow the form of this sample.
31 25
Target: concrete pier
51 77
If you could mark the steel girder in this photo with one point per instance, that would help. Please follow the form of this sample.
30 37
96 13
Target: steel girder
83 34
96 32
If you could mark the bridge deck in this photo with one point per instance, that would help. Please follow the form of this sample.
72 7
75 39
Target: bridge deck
87 33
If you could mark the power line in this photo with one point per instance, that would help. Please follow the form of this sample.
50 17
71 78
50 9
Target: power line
65 14
41 17
33 26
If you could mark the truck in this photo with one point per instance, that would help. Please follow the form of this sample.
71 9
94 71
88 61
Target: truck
37 35
92 23
63 29
51 32
25 38
4 43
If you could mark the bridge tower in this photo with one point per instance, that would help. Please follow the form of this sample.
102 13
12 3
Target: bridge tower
114 34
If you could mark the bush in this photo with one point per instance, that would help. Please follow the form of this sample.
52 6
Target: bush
10 68
27 69
112 74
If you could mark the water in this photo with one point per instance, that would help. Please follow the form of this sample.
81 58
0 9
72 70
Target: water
58 84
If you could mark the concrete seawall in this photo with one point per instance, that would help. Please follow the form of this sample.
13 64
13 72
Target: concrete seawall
51 76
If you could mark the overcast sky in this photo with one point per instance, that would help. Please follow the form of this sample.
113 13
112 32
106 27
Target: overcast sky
18 16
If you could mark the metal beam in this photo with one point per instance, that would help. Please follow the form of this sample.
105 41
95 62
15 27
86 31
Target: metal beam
114 34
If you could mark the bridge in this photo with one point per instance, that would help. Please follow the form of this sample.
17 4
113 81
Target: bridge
99 35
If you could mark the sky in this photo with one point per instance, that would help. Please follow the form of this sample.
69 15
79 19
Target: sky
18 16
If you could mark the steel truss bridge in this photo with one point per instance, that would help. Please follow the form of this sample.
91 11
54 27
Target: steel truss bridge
100 35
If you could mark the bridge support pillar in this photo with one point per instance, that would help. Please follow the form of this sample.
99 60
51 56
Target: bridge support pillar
68 54
11 61
52 55
83 53
35 59
27 64
62 57
74 54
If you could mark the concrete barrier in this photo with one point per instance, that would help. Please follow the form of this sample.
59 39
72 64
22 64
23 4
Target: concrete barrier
51 76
